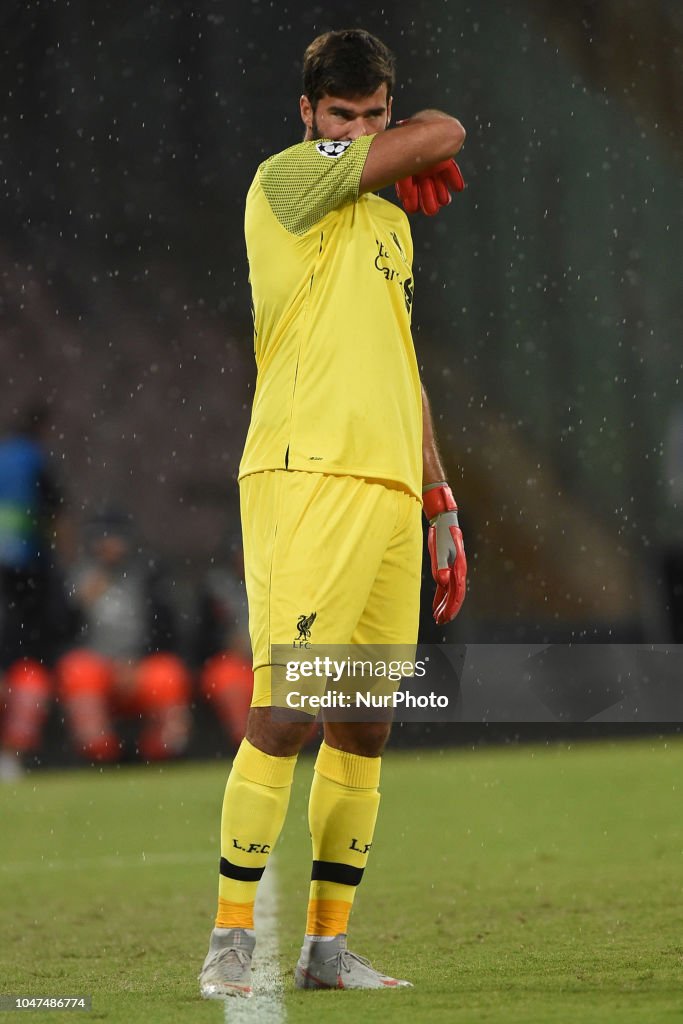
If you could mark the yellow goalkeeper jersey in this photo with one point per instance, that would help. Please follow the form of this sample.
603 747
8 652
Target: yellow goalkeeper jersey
338 387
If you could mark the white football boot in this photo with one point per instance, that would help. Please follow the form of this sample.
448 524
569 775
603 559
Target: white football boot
329 964
227 967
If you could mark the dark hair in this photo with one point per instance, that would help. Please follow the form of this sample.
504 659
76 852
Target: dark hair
350 62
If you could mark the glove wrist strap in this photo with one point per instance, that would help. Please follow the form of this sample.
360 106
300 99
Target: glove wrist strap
438 498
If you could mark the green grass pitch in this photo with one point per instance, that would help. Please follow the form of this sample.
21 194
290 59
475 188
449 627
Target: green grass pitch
524 885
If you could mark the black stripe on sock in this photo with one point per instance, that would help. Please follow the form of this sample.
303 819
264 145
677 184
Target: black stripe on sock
330 871
229 870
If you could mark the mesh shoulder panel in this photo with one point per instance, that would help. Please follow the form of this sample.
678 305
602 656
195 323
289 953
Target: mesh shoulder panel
306 182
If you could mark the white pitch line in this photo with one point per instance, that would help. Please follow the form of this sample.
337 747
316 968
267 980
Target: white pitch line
267 1005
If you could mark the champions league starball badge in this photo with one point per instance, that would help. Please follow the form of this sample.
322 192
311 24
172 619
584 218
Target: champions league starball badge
333 149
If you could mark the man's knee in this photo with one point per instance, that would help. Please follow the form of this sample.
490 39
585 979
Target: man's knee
366 739
281 739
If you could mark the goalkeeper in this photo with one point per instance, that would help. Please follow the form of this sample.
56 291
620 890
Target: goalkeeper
340 459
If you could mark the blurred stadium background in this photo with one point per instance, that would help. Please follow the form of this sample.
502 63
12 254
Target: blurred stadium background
548 313
549 322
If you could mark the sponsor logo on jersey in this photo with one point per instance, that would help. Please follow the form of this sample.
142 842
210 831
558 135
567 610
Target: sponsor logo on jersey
384 263
333 149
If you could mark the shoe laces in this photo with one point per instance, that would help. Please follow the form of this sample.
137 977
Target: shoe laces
345 960
233 957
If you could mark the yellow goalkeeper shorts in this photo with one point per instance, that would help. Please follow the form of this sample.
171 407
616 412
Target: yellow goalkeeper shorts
335 559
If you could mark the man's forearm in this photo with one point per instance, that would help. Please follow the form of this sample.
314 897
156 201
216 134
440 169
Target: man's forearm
432 466
420 141
427 115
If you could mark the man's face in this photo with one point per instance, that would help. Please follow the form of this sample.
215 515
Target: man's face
342 119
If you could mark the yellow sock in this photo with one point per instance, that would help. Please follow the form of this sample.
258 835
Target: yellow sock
254 809
342 812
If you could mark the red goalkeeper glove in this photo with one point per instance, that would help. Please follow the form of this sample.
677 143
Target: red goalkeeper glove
447 552
431 189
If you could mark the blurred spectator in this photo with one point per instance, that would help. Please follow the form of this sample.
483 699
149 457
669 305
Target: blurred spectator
24 697
34 616
222 646
126 664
